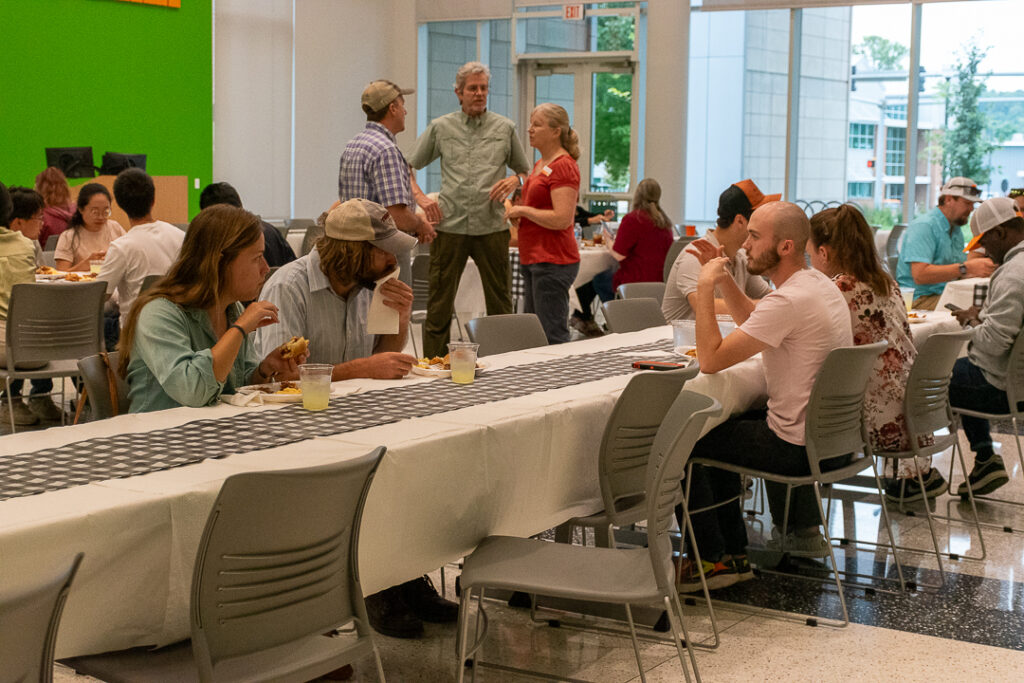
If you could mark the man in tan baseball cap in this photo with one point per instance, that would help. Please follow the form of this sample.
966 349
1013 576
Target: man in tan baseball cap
325 295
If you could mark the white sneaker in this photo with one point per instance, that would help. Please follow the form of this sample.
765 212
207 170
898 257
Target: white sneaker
22 415
798 546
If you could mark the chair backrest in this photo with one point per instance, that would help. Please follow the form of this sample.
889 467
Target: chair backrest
503 333
673 253
642 290
666 465
309 238
630 315
834 423
48 258
891 257
420 281
101 380
55 321
28 627
148 282
278 560
51 243
926 403
630 431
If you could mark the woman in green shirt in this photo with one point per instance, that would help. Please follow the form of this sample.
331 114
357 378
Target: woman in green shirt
186 340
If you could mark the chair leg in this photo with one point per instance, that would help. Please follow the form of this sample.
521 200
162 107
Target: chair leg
831 552
636 644
888 525
462 634
675 614
380 666
688 524
931 527
10 403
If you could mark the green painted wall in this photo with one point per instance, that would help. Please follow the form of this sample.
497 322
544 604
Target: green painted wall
116 76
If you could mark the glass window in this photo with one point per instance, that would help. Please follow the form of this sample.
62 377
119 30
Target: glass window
542 35
894 191
859 190
896 112
895 151
862 136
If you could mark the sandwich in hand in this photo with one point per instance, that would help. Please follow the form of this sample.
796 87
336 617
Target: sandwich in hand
294 347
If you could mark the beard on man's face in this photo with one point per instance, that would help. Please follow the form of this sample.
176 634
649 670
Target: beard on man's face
765 262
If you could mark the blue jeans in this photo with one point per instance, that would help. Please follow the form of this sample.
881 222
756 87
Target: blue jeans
546 293
600 287
969 389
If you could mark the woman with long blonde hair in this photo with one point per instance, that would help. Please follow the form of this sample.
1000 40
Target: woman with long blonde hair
548 256
187 339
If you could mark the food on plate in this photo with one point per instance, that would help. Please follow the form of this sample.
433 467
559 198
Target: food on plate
692 353
294 347
47 270
79 277
289 390
914 316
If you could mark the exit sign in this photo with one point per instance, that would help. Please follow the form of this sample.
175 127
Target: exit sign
573 12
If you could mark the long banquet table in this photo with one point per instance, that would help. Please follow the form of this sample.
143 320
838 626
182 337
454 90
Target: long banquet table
512 465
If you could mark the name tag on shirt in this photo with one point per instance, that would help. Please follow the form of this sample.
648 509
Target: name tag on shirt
546 170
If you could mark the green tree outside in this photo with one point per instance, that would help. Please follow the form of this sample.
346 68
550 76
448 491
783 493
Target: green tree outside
968 140
883 54
613 102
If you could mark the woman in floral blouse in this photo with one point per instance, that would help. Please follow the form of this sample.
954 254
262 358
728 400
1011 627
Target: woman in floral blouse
842 247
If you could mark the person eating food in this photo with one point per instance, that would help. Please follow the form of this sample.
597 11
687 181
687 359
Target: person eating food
90 230
326 295
187 339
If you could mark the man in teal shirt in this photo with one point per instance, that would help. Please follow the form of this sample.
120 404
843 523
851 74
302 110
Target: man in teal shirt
475 147
933 248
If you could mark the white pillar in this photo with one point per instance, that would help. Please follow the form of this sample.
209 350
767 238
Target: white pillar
668 50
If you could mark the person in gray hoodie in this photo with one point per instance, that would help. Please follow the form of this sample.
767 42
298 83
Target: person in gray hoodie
979 381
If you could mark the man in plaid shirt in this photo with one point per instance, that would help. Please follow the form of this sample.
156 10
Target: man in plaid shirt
372 166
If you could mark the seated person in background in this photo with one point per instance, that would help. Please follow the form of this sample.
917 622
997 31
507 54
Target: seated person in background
277 251
325 295
18 265
735 207
1017 195
584 218
794 328
842 247
186 340
149 248
53 186
89 232
583 319
979 380
932 253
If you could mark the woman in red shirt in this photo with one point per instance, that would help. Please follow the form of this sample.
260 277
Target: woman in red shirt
548 256
643 238
59 208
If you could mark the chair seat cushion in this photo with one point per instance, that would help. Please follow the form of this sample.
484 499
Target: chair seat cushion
611 575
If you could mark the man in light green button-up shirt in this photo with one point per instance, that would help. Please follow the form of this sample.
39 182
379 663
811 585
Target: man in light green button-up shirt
476 147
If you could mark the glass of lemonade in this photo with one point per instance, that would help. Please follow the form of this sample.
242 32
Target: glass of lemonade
316 385
463 361
95 265
908 297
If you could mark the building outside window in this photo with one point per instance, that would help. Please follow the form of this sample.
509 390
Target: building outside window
896 112
895 150
859 190
862 136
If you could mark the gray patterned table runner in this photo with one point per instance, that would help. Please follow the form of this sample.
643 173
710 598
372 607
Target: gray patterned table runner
126 455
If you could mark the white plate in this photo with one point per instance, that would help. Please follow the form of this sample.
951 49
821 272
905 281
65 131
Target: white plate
272 398
441 372
681 351
921 318
50 276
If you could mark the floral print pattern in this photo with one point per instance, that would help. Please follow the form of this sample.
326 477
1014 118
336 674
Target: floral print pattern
876 319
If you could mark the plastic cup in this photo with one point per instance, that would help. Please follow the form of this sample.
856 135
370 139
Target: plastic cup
908 297
726 325
684 333
95 265
316 385
462 356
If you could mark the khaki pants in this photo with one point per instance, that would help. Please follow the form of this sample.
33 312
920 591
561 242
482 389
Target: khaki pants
926 303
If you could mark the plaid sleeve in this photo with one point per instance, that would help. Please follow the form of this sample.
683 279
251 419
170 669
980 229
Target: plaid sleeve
392 178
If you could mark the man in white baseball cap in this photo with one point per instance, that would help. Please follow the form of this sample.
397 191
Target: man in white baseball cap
979 381
932 252
325 295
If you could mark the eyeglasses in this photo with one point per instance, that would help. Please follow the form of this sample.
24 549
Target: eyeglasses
102 213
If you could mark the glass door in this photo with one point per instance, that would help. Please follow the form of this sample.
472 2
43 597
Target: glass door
598 97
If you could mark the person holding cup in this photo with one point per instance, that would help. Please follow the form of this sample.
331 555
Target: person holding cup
186 340
326 295
90 231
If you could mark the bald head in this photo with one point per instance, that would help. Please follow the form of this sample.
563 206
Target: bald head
787 221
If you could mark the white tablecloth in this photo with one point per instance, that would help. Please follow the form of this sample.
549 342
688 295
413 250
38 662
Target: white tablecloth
959 292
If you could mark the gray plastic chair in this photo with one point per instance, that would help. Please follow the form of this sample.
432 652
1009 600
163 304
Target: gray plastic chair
1015 399
105 389
642 290
624 576
47 258
834 427
630 315
892 247
673 253
29 621
502 333
148 282
928 414
51 243
277 572
50 326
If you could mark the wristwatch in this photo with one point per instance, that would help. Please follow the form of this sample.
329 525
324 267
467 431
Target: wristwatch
963 270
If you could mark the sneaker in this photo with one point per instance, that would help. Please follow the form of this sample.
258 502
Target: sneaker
577 322
798 546
44 408
908 490
741 565
986 476
390 615
422 598
717 574
22 415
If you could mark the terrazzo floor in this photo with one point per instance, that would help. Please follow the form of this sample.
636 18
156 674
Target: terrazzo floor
970 629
